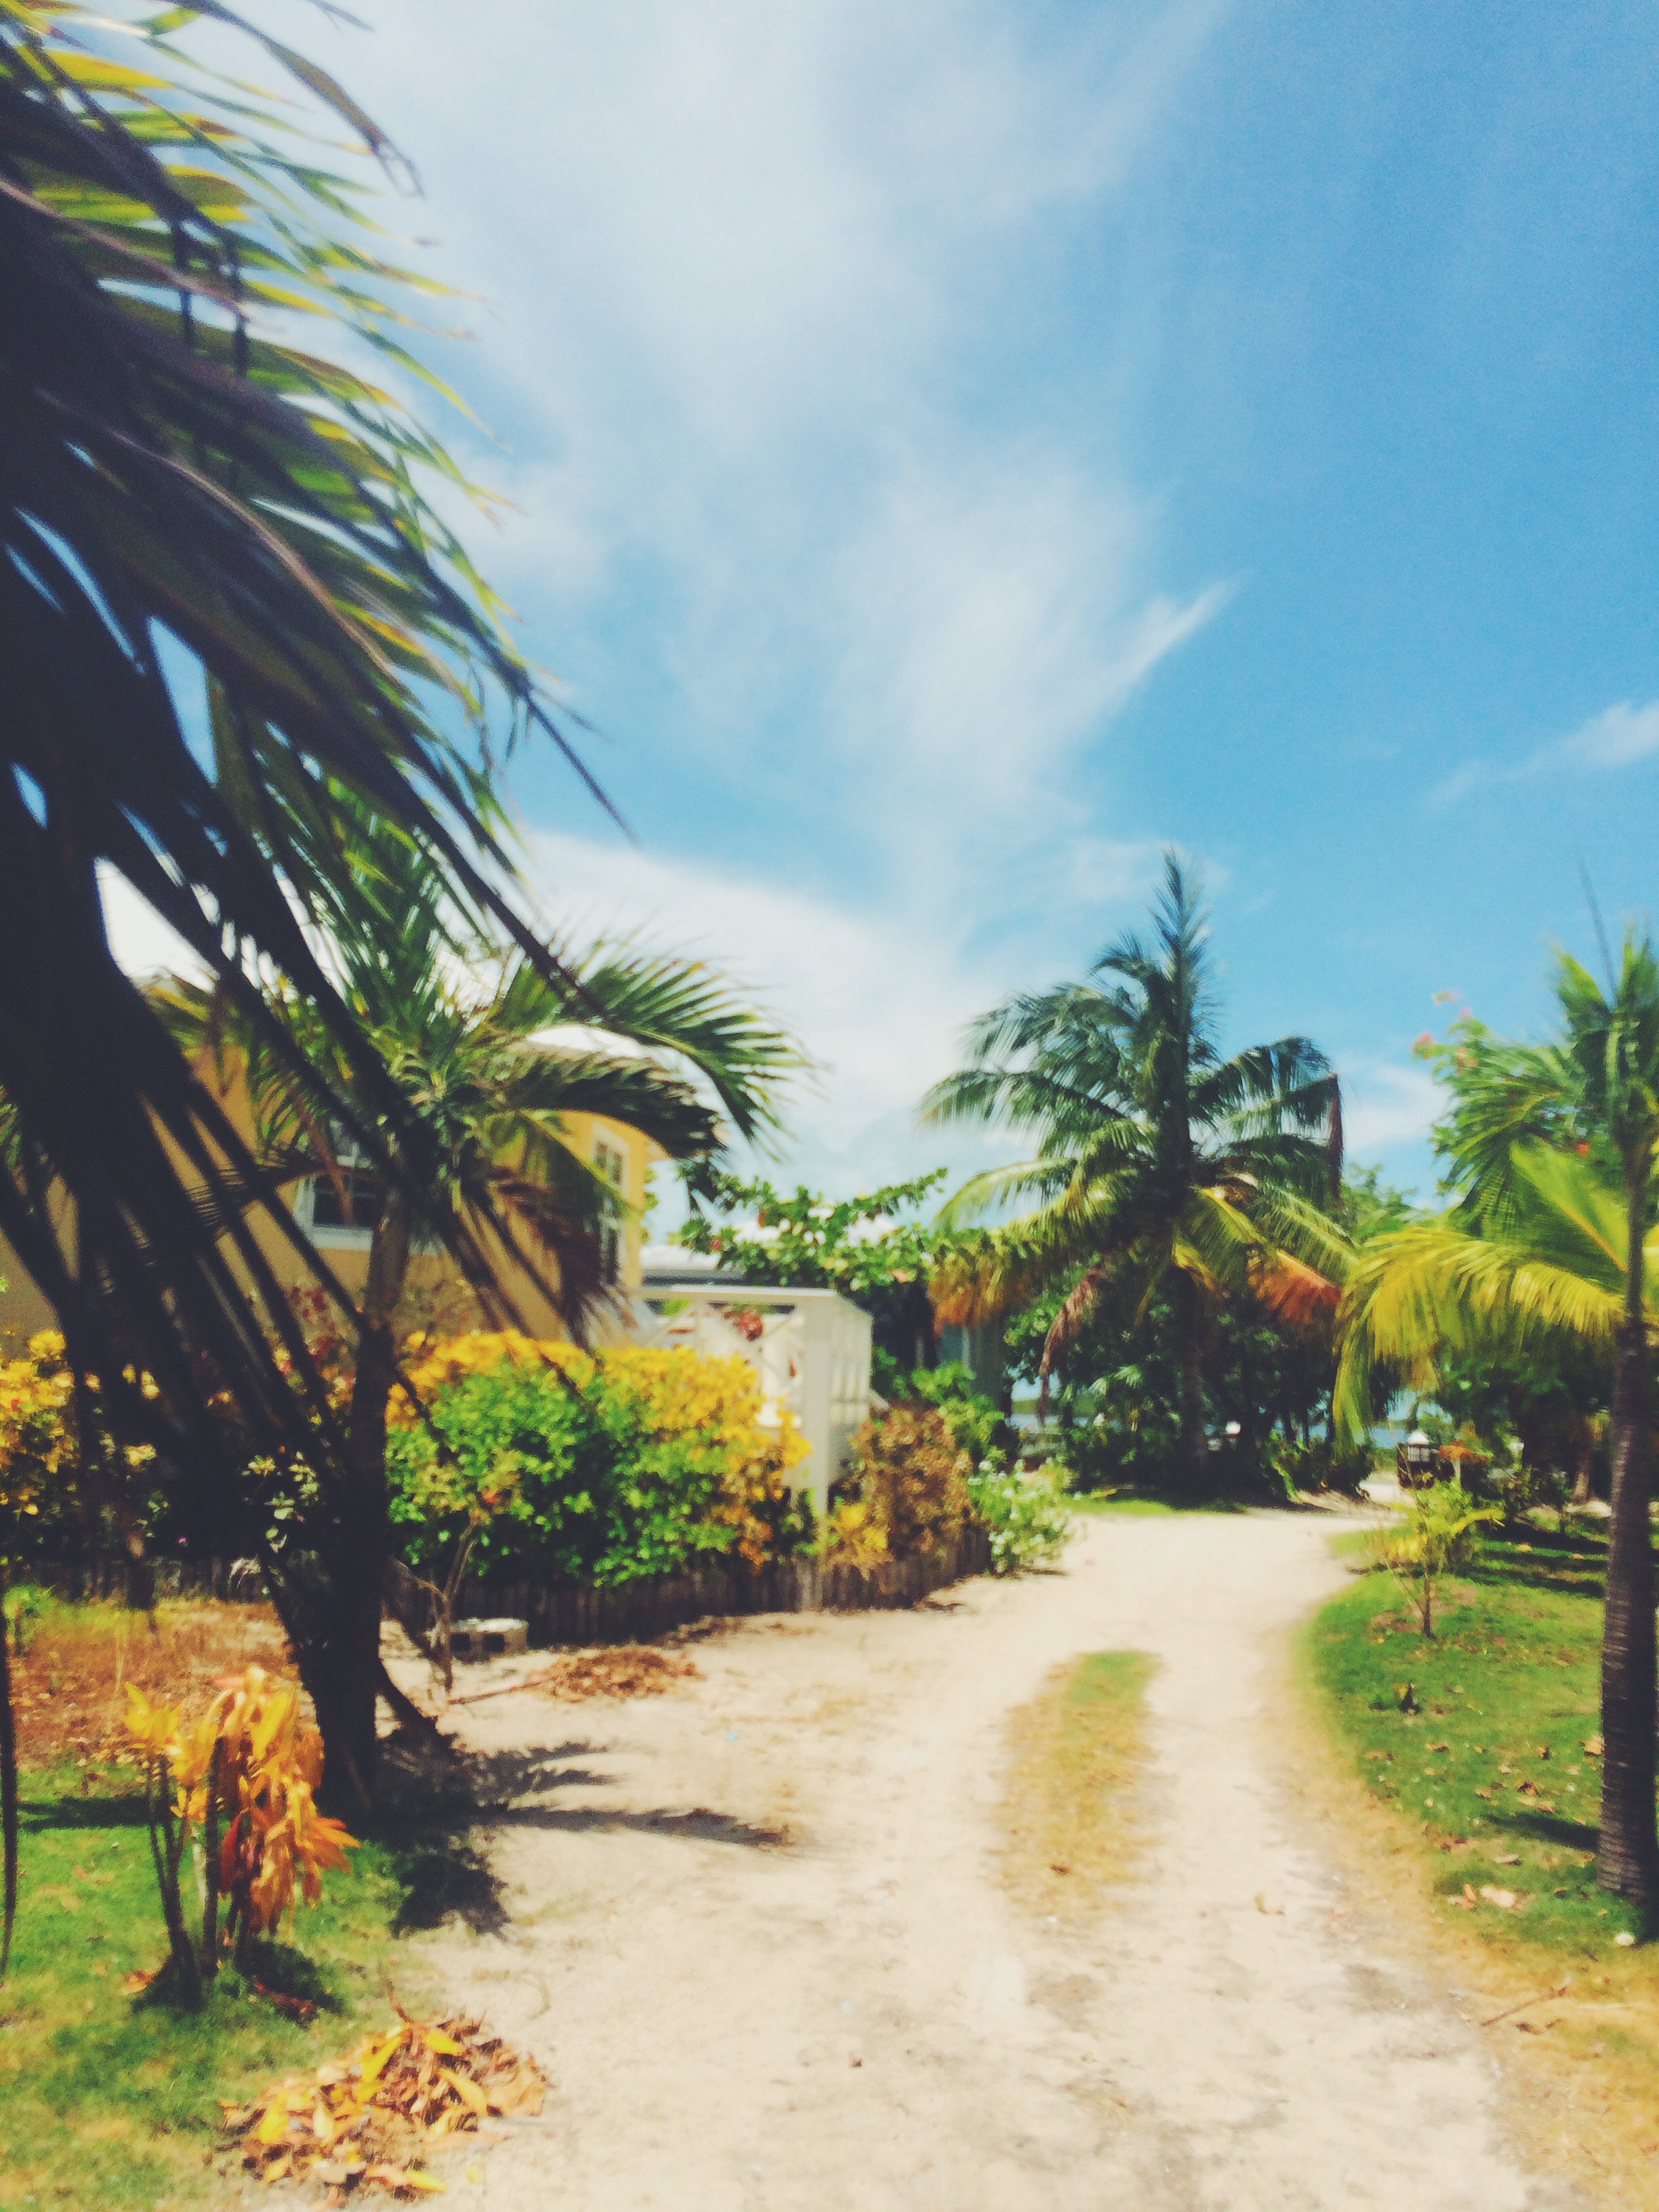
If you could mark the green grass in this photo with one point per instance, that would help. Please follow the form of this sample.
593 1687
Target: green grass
1512 1672
109 2101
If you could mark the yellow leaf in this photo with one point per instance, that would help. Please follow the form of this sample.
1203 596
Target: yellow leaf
469 2092
273 2129
445 2046
377 2055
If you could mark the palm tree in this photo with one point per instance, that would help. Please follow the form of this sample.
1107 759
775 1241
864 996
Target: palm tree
1556 1148
192 505
1156 1160
490 1057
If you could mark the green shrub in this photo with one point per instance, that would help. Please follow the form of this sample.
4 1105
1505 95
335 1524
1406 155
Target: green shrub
1319 1464
977 1423
905 1493
1028 1514
598 1470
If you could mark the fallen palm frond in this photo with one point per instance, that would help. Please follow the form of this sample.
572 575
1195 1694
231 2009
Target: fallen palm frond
356 2122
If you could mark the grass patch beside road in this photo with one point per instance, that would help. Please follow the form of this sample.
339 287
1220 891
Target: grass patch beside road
1456 1798
1068 1804
1492 1765
109 2101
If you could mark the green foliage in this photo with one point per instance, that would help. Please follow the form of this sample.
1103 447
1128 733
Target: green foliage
1529 1277
975 1423
1321 1462
862 1247
585 1480
905 1493
1157 1165
1027 1512
1439 1535
1116 1415
808 1242
1513 1671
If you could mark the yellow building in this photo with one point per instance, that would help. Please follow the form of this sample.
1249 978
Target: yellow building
438 1296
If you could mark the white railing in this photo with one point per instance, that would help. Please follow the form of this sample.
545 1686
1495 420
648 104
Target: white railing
809 1349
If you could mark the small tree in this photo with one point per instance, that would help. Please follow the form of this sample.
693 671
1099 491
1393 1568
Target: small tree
1438 1537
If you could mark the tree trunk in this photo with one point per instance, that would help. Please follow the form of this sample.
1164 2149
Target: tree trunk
345 1670
1194 1448
1628 1862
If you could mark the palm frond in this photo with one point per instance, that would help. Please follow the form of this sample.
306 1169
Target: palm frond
1435 1289
673 1006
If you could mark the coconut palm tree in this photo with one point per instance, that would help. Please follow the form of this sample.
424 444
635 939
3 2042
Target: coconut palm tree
1556 1148
490 1057
197 512
226 600
1156 1160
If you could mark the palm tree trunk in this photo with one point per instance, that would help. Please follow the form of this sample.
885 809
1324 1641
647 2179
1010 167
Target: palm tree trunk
1188 1319
345 1662
1628 1861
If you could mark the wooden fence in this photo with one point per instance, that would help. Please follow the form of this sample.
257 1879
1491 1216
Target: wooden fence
577 1613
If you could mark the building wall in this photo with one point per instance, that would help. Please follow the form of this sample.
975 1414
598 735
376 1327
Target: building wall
438 1296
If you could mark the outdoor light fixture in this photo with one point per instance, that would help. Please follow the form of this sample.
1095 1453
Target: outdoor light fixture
1419 1456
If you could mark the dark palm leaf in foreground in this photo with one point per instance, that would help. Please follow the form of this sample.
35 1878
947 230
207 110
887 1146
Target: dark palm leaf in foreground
1156 1161
223 600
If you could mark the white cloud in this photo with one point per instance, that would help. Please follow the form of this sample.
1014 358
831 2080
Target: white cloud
754 283
1618 737
1615 738
761 293
880 1010
1385 1106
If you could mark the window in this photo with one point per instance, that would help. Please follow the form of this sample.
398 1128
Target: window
320 1207
610 1162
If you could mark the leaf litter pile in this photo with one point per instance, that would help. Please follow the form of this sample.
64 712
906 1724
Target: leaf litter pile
356 2122
622 1670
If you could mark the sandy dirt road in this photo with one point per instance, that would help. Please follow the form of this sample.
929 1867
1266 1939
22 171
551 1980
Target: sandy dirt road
756 1932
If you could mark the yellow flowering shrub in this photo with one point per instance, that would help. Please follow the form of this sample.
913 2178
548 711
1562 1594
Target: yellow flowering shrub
601 1466
37 1432
41 1445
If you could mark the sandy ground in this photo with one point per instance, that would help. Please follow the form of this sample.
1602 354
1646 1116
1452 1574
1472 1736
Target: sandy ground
755 1933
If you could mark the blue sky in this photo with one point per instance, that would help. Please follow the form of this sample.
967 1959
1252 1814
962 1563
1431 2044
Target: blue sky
960 449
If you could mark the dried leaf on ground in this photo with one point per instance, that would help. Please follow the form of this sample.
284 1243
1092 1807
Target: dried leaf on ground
354 2122
629 1670
69 1687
